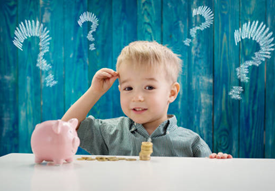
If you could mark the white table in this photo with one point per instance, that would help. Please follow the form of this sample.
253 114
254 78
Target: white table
19 172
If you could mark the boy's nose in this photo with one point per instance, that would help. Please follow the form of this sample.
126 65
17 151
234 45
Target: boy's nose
138 98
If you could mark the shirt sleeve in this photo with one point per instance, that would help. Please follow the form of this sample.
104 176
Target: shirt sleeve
200 148
91 138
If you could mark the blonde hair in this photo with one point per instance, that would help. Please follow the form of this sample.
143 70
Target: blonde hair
151 54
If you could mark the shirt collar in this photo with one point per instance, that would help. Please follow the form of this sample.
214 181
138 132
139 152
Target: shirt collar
163 129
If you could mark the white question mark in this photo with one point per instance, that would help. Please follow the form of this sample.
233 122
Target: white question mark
32 29
207 14
258 34
87 16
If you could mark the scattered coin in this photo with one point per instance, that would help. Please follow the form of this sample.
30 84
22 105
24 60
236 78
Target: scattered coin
105 159
112 159
130 159
101 158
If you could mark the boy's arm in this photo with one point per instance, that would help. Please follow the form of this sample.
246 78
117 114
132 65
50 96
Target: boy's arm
102 81
82 106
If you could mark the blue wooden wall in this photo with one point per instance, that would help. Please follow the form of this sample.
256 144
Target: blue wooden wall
243 128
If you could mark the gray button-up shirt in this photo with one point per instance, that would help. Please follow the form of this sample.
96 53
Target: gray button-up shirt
121 136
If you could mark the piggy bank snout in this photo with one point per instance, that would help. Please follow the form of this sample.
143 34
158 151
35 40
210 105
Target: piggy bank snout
76 142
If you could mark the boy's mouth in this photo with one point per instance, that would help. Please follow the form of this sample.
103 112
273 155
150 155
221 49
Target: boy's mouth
139 110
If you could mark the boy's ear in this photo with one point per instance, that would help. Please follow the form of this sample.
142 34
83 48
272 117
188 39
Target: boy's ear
119 88
174 92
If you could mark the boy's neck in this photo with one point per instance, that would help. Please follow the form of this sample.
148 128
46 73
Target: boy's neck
151 127
150 130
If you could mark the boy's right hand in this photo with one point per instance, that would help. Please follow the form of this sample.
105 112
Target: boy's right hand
103 80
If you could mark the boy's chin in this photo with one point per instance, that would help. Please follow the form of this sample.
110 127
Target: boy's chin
138 121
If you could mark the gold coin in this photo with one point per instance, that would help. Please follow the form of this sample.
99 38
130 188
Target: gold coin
84 158
146 152
121 158
101 159
144 157
130 159
90 159
81 159
111 157
147 144
146 149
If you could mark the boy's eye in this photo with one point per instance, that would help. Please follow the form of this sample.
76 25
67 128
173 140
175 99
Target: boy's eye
128 88
149 87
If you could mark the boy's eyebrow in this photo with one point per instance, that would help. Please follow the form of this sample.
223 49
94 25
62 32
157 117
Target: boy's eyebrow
149 79
124 81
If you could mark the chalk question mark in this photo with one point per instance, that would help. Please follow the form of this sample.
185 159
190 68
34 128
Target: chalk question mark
87 16
258 34
32 29
208 16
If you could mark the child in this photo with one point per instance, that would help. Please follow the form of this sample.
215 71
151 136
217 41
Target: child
147 73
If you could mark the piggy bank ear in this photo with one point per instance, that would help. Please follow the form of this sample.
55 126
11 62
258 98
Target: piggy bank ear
37 126
57 127
74 122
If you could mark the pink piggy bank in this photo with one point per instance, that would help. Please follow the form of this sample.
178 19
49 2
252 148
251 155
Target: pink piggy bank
55 141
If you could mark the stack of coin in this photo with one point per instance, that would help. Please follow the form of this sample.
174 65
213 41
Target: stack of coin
146 150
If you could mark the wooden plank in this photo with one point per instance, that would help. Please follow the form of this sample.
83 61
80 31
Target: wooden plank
8 79
101 57
124 18
29 88
75 54
226 110
149 20
270 88
53 97
252 104
175 31
200 75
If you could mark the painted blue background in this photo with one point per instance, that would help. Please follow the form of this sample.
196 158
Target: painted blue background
242 128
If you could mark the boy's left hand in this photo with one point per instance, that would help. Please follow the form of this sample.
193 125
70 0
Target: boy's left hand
220 155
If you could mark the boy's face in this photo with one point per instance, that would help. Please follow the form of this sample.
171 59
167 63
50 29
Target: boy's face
145 94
